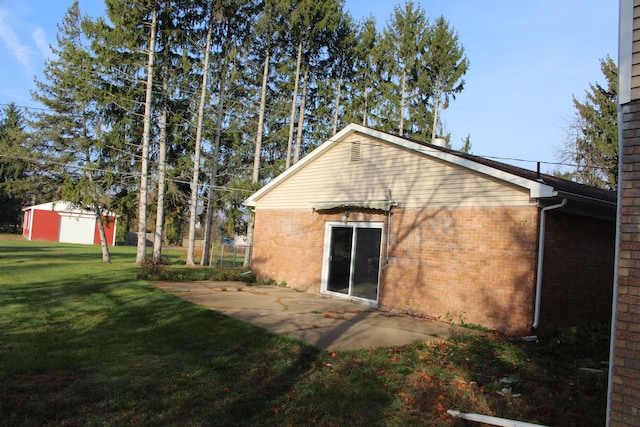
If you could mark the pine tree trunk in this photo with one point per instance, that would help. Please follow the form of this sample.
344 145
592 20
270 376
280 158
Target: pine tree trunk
293 107
337 107
366 107
256 158
402 100
211 199
196 157
436 109
435 120
249 249
162 167
263 98
146 140
104 247
296 155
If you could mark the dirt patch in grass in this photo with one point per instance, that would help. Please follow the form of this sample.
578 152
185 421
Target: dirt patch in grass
52 398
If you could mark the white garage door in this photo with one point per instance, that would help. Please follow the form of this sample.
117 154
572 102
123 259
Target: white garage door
77 229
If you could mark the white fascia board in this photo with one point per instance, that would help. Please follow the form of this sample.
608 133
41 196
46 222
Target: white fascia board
58 206
40 207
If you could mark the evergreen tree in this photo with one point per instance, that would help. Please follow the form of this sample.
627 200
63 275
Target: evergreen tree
405 41
446 64
179 22
315 26
193 207
592 138
466 144
153 114
171 41
341 64
146 140
364 82
123 47
71 128
234 26
14 168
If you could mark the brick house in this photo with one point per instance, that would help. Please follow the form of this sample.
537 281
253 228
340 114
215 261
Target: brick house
624 372
419 228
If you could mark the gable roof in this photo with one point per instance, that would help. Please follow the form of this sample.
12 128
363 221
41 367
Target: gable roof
66 207
540 186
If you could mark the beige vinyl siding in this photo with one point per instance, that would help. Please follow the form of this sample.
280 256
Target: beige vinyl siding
415 180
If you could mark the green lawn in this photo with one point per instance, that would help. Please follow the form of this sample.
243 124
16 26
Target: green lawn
85 343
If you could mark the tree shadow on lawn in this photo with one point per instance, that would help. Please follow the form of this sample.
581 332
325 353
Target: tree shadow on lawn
113 351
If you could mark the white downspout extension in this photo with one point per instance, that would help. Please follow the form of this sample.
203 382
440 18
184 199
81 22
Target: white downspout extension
494 421
536 314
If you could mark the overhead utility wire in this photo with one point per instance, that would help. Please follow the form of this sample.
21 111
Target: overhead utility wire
307 139
115 172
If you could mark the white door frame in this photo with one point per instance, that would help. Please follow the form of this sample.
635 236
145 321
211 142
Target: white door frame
326 255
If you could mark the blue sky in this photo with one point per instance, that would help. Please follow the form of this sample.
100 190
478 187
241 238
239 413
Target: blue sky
527 59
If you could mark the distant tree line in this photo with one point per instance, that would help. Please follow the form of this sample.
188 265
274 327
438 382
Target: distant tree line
171 113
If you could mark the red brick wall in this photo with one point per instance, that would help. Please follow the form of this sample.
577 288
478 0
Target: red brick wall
478 263
625 375
288 245
578 270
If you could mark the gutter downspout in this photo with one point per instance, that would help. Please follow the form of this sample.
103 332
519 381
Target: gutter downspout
536 314
392 203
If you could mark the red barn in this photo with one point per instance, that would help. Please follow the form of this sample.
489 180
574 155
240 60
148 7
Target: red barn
66 223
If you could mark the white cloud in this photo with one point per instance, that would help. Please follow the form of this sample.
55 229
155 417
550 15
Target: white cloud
20 51
41 41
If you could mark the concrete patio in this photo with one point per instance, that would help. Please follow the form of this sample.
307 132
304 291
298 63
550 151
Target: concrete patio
327 323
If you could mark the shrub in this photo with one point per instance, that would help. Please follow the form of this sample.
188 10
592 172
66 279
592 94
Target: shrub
180 273
271 282
153 269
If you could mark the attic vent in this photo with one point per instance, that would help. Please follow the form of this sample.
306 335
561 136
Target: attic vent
355 155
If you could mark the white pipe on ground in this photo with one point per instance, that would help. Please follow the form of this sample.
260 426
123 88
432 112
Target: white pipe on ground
487 419
536 314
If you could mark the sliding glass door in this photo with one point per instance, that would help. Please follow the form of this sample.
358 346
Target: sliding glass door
352 259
